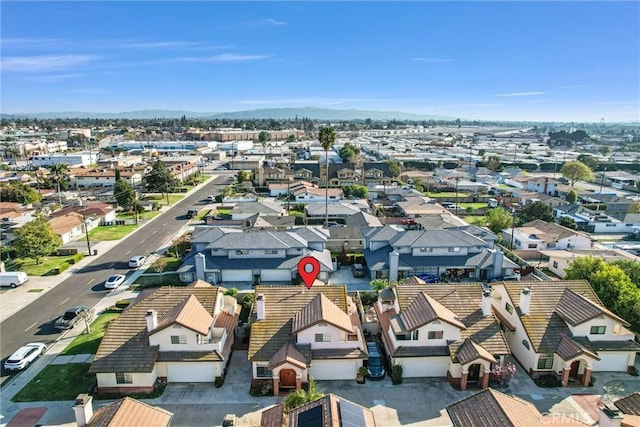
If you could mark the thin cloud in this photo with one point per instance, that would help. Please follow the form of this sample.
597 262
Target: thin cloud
165 44
432 60
52 77
271 21
225 57
45 62
573 87
32 43
521 94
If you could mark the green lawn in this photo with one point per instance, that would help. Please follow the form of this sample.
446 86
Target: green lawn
45 267
162 199
111 232
202 214
141 215
447 194
476 220
223 211
154 281
173 264
88 343
57 382
473 205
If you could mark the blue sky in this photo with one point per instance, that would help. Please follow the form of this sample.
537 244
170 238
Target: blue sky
559 61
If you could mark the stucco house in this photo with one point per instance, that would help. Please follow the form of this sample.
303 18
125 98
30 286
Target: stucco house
72 226
562 328
441 330
540 235
181 334
559 260
103 211
298 332
221 254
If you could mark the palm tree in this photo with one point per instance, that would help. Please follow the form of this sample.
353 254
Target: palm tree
327 138
60 176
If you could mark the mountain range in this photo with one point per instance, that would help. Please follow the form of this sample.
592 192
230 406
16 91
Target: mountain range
264 113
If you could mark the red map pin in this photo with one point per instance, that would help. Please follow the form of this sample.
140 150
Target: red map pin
308 269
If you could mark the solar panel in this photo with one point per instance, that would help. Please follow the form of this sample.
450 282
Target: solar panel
351 414
311 417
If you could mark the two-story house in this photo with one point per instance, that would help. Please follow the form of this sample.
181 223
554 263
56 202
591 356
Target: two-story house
541 235
393 253
298 332
182 334
341 174
307 171
542 184
438 330
376 173
562 329
221 254
313 194
592 221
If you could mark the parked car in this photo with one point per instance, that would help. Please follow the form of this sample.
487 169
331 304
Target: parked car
23 356
137 261
192 213
357 270
13 278
114 281
210 198
72 316
375 364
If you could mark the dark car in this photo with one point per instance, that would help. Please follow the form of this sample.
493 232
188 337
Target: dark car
357 270
192 213
375 364
72 316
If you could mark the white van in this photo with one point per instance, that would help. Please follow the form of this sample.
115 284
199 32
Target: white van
13 278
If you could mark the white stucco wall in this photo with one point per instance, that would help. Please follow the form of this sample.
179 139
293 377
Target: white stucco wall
449 333
612 326
338 337
162 338
418 367
139 379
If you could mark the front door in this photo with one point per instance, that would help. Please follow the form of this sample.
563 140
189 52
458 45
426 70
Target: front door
288 378
474 373
573 372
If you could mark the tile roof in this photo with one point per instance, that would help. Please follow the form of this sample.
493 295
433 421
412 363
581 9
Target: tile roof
63 224
321 309
629 404
281 304
470 351
128 412
576 309
190 314
424 309
288 354
125 345
568 348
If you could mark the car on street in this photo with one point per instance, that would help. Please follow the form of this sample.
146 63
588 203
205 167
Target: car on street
357 270
72 316
23 356
114 281
137 261
211 198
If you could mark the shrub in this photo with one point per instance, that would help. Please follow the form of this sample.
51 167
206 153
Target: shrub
123 303
62 267
634 371
396 374
548 381
248 300
78 257
218 382
232 291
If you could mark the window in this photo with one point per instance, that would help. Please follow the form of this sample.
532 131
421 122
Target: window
435 335
352 337
426 249
545 362
263 372
271 251
555 264
242 252
525 343
509 308
124 378
178 339
532 245
454 249
414 335
323 337
598 330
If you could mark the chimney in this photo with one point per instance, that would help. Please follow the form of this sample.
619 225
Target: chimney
260 309
152 320
199 263
498 260
83 409
609 416
487 299
394 261
525 300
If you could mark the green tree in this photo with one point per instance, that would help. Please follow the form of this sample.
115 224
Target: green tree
60 174
19 193
567 221
576 171
356 191
493 162
36 239
264 137
123 192
394 168
497 219
245 176
571 196
348 152
631 268
588 160
159 179
300 397
536 210
379 284
604 150
327 137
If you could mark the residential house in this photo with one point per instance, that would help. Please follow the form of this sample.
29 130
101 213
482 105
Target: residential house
329 410
342 174
313 194
337 210
561 328
124 412
248 162
181 169
541 235
438 330
242 211
559 260
72 226
376 173
592 221
230 255
181 334
103 211
266 176
630 408
542 184
307 171
13 216
393 253
102 177
299 332
348 239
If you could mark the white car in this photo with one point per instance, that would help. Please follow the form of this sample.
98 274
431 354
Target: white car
114 281
24 356
137 261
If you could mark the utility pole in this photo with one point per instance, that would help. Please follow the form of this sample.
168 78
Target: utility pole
86 231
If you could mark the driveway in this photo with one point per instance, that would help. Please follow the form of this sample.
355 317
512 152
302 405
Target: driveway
343 276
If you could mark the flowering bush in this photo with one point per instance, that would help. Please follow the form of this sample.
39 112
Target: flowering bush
504 372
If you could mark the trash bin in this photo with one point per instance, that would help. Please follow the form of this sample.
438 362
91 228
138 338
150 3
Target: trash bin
95 252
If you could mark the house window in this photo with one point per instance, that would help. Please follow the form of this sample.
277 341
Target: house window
271 251
124 378
263 372
598 330
323 337
242 252
414 335
352 337
545 362
518 243
426 249
525 343
178 339
509 308
532 245
454 249
555 264
435 335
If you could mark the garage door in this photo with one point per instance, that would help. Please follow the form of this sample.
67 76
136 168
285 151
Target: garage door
334 369
611 362
275 276
424 367
237 275
191 372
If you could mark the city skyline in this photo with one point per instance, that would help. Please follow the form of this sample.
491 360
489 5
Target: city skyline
534 61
